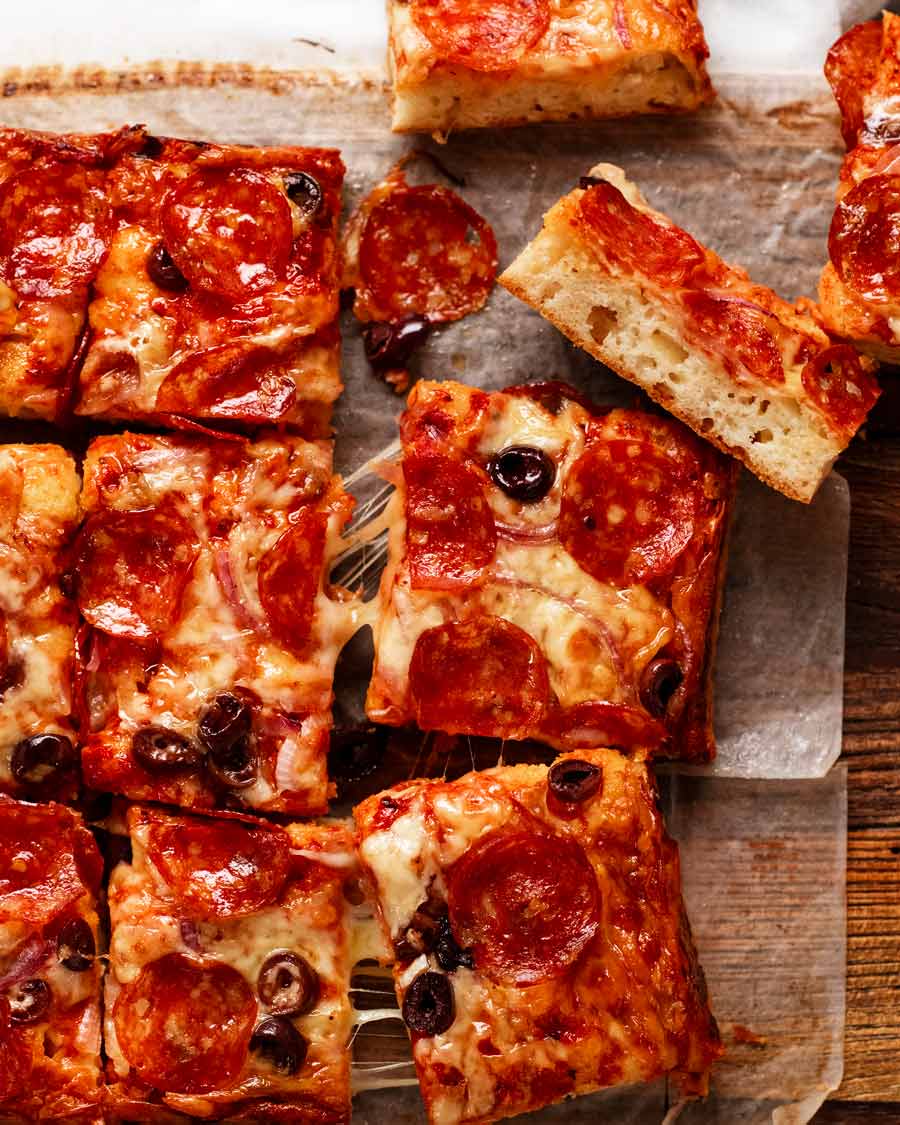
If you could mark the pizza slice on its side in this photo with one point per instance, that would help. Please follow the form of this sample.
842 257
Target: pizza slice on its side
227 994
553 573
750 373
212 632
541 944
460 64
38 515
50 874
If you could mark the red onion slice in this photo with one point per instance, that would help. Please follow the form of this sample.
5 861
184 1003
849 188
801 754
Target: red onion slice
28 960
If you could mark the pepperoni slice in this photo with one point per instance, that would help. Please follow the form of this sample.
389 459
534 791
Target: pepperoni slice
132 569
233 381
628 509
426 252
845 393
850 67
527 905
482 34
482 676
55 227
185 1027
636 241
39 871
15 1055
599 722
220 868
288 577
864 239
229 232
738 330
450 531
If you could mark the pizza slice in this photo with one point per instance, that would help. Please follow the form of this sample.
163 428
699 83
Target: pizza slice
750 373
212 632
50 873
553 572
38 515
460 64
219 296
229 971
859 291
541 945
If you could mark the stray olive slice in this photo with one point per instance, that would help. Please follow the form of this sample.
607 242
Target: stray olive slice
659 682
428 1004
233 766
161 750
40 757
29 1001
75 946
573 780
391 345
523 472
224 722
304 191
163 272
288 984
277 1040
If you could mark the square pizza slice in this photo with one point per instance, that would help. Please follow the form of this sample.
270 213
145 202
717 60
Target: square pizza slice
541 944
212 632
219 295
750 373
554 572
50 874
459 64
38 516
227 994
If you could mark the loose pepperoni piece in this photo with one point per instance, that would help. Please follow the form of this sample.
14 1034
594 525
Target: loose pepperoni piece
426 252
54 229
228 231
39 870
450 531
864 240
222 869
482 34
185 1027
233 381
636 241
526 904
627 510
288 577
15 1054
483 676
850 67
132 569
843 391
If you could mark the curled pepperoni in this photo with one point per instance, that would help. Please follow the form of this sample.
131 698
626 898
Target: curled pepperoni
39 862
132 569
627 510
237 381
864 239
220 868
482 676
185 1027
482 34
526 904
54 229
599 722
738 330
288 577
15 1054
228 231
636 241
850 67
426 252
845 393
450 532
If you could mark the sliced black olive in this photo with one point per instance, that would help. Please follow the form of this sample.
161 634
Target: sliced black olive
40 757
450 955
234 766
659 682
355 752
225 721
161 750
288 984
523 472
75 946
428 1004
29 1001
573 780
305 191
163 272
152 148
277 1040
422 932
391 345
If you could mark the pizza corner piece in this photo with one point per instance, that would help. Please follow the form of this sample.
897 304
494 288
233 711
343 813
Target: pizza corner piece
755 376
205 665
50 876
512 1007
554 573
227 994
461 64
